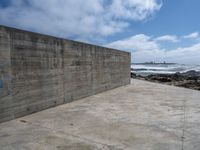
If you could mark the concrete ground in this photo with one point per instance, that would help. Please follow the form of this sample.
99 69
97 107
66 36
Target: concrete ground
140 116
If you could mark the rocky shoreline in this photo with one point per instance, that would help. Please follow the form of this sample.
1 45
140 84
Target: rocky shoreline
190 79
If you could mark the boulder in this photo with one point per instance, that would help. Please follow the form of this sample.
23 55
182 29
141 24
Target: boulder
133 75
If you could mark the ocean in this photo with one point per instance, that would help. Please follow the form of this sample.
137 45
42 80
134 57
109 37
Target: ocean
146 69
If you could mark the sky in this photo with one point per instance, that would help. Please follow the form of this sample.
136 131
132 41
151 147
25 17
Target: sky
152 30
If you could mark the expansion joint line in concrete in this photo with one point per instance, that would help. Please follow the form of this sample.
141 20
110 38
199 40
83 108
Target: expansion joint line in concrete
184 123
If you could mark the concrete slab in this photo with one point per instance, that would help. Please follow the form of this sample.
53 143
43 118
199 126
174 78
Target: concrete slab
140 116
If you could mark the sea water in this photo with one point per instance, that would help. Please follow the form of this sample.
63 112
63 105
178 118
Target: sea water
146 69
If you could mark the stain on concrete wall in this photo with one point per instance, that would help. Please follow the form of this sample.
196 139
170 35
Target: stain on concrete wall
41 71
1 85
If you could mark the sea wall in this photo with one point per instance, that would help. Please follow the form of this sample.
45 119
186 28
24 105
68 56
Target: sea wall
38 71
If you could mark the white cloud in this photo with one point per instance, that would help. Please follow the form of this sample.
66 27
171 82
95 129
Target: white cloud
145 48
189 55
138 42
134 9
142 42
81 18
183 55
193 35
170 38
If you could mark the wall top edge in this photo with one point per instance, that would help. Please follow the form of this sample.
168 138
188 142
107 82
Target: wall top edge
13 29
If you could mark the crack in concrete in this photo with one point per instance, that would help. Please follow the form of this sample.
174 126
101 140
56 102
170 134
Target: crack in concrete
184 122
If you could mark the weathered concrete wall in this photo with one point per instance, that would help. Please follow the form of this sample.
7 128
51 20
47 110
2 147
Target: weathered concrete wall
39 71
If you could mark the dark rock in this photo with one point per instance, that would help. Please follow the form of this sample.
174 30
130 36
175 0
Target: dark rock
192 73
161 79
177 76
190 79
133 75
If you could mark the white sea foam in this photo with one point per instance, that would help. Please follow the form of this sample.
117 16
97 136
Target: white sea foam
163 68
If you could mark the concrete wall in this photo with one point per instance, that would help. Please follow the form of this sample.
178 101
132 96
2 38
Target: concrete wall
38 71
